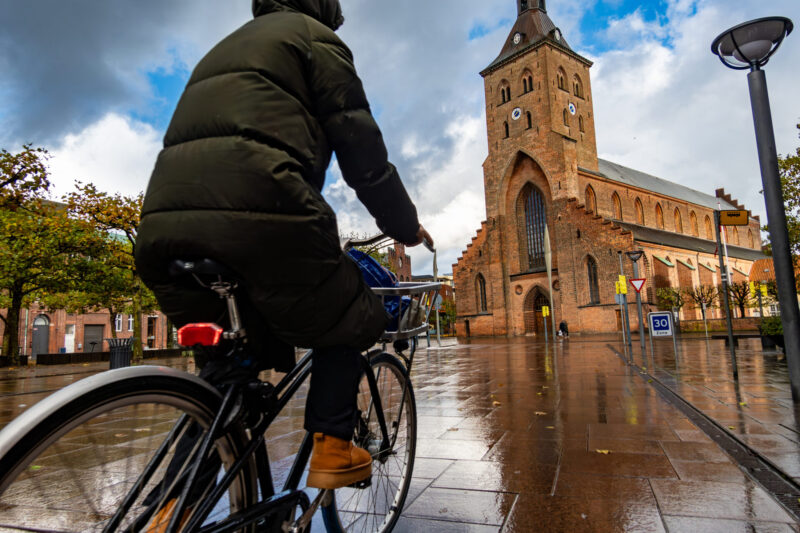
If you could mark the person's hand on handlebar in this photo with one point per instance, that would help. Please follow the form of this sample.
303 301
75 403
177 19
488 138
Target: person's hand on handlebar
423 237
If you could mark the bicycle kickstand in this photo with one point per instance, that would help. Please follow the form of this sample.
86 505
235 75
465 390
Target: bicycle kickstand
298 526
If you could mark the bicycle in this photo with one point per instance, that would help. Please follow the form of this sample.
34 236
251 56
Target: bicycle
100 454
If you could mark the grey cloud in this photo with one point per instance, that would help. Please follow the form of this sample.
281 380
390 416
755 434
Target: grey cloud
66 63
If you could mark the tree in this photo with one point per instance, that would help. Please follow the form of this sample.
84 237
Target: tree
669 298
23 177
448 315
42 249
119 287
739 293
703 296
789 168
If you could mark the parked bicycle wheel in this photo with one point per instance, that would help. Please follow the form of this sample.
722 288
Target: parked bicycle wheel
377 507
69 462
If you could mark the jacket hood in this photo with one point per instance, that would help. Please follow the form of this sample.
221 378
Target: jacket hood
328 12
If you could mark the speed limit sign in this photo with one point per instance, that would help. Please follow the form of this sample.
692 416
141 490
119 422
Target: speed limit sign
661 324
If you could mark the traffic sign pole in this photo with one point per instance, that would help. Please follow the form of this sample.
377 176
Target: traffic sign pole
724 274
624 298
639 310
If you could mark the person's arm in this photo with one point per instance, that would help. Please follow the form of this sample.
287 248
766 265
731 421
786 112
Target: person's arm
343 111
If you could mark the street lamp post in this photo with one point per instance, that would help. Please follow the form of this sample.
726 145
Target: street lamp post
749 46
634 256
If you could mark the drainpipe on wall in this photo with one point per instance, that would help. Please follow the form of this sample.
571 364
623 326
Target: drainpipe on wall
25 336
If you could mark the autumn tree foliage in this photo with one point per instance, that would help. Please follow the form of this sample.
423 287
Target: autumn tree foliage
119 288
43 250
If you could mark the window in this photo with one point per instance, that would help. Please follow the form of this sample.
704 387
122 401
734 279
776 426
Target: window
530 120
565 114
505 127
508 94
531 221
505 92
580 124
527 82
524 85
117 322
577 86
594 287
709 229
130 322
480 293
751 242
561 79
591 199
659 217
678 221
617 206
639 212
693 224
734 235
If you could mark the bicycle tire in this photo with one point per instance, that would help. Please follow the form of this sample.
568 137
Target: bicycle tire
68 462
375 509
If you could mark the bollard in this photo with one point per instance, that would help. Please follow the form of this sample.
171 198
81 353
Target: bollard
121 352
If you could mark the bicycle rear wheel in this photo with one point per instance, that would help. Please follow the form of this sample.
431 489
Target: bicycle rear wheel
69 462
376 508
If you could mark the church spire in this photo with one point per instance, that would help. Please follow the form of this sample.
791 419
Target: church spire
525 5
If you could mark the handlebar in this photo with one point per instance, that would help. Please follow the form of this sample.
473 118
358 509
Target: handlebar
379 241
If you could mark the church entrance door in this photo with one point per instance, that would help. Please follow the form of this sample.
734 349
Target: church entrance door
532 311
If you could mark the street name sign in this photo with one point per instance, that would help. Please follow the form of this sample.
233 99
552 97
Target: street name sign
661 324
638 284
734 218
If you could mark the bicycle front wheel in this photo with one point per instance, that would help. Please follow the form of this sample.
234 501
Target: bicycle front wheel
71 461
376 508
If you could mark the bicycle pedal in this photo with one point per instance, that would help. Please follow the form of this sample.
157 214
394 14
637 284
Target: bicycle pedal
363 484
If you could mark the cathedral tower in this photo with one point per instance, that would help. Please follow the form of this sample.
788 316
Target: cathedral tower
539 103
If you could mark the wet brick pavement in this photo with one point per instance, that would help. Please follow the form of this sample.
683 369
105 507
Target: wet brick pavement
515 435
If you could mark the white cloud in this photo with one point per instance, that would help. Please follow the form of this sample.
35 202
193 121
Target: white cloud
116 154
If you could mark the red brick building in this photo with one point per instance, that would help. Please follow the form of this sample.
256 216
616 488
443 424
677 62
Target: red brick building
43 331
399 261
543 171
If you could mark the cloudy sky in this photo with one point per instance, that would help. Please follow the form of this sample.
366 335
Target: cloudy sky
95 82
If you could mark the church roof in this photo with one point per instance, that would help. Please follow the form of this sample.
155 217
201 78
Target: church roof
635 178
687 242
534 27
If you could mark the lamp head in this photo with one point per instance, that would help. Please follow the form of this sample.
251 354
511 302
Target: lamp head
634 255
750 44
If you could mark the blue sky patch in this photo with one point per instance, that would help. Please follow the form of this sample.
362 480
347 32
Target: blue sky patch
166 87
596 20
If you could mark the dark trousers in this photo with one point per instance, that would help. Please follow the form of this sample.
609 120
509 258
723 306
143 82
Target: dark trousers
331 406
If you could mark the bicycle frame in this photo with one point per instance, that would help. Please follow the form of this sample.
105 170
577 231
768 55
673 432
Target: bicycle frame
270 504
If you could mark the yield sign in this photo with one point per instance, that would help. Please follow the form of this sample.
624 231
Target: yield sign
638 284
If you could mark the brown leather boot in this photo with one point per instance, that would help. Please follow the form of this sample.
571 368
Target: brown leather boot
337 463
161 520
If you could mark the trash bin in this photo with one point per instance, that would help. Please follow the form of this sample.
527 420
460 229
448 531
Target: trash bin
121 352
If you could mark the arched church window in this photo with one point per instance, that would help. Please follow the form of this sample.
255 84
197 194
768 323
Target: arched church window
505 127
577 86
565 115
591 199
617 203
734 235
561 78
508 94
659 217
531 221
678 221
524 85
505 92
480 293
639 212
751 241
530 83
693 224
594 286
709 229
580 124
530 120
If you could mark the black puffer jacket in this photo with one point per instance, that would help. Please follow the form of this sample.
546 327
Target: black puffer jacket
241 173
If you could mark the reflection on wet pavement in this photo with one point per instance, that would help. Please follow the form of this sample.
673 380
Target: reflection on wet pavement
516 435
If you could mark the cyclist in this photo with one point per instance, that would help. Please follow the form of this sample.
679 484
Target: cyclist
239 180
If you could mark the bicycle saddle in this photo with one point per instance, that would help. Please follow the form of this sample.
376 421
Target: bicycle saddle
203 267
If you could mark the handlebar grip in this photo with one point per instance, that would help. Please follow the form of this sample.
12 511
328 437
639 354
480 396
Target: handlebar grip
427 244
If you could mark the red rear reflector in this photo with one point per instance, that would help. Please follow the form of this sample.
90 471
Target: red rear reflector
203 334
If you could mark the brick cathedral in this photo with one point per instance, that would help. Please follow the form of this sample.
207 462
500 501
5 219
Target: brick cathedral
543 171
